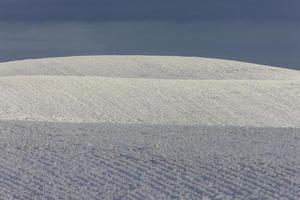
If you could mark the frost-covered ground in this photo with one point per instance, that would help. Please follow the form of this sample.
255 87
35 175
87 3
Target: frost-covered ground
138 127
109 161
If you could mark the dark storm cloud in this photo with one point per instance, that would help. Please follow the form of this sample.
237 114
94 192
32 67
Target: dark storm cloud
97 10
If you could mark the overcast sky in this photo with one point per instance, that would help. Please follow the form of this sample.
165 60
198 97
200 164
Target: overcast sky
260 31
184 10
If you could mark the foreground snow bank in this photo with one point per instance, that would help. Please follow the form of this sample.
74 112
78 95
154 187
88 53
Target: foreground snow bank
114 161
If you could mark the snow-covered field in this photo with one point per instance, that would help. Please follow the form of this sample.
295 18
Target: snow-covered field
139 127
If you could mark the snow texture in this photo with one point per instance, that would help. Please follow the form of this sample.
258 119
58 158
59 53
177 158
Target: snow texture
150 67
145 127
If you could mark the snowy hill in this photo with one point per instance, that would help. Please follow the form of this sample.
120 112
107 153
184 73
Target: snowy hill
148 127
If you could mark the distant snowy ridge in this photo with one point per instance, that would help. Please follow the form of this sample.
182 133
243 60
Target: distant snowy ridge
153 67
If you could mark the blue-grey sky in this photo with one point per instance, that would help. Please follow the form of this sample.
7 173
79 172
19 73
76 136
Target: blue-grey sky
184 10
260 31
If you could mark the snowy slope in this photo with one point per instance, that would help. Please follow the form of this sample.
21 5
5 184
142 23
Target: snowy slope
151 101
147 127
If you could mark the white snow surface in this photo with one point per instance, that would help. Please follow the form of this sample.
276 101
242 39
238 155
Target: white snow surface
148 67
148 127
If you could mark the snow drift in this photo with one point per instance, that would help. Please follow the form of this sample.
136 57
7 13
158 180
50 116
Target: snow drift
148 127
150 90
151 101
